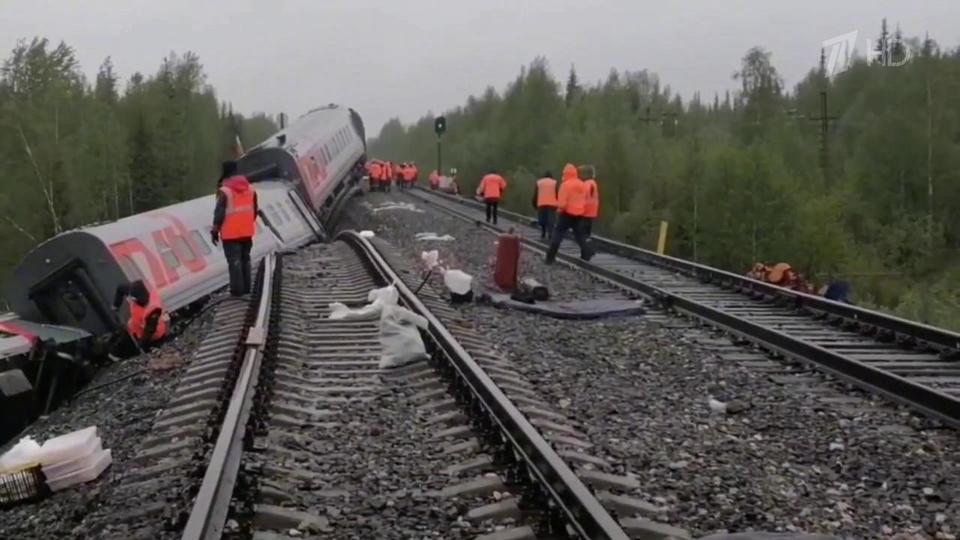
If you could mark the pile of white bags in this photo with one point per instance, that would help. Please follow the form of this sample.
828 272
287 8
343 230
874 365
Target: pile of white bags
66 460
400 340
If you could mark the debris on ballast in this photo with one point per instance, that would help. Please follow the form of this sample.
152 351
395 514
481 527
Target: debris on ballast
65 461
432 236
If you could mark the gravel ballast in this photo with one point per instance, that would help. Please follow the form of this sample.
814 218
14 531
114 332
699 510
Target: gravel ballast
778 459
123 412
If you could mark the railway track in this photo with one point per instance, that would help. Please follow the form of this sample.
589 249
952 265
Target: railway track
908 362
314 439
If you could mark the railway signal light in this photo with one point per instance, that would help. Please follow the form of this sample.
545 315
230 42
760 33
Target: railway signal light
440 125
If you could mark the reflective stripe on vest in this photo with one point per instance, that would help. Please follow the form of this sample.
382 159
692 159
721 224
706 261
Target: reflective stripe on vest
591 208
138 318
547 192
239 221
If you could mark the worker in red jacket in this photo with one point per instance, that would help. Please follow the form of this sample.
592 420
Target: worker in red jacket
491 188
571 203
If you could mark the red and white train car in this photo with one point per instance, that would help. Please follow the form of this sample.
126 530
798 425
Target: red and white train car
300 174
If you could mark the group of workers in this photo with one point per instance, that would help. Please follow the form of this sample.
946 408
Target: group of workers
783 275
570 205
234 224
383 174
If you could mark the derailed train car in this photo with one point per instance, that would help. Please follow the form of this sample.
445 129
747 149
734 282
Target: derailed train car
61 293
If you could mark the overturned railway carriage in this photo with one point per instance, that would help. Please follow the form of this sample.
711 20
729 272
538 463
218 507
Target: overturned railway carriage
302 175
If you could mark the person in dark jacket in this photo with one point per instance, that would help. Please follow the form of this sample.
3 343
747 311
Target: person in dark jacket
234 222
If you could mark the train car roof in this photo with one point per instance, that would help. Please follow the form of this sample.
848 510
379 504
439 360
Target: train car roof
307 130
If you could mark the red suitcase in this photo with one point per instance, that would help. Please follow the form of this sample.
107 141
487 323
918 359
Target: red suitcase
508 261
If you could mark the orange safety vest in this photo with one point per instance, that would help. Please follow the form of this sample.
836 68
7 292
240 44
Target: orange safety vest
434 178
138 318
546 193
375 172
409 173
591 207
239 222
573 193
492 186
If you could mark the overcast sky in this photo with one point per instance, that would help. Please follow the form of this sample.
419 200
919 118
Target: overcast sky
404 57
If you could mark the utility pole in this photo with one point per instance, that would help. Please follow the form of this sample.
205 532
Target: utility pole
824 120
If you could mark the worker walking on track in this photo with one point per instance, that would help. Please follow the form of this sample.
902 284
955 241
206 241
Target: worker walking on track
571 202
491 188
148 321
545 201
234 222
591 207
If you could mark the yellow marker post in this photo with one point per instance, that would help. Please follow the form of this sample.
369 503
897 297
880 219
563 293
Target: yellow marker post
662 241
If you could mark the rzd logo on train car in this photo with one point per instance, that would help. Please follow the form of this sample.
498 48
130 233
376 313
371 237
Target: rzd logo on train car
175 238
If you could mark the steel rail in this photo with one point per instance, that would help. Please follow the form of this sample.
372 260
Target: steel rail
945 340
583 512
925 399
209 513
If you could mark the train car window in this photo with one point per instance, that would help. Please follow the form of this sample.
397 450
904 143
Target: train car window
183 250
130 268
170 258
283 211
198 239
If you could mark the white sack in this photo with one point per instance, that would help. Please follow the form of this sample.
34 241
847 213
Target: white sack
457 281
23 453
400 339
377 298
367 234
430 259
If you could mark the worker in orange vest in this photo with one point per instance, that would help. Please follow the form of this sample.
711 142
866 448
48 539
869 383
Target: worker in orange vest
234 222
409 175
416 173
384 182
545 201
591 208
434 180
491 188
375 172
398 174
571 202
148 321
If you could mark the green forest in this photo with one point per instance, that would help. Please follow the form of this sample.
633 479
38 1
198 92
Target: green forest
746 176
76 152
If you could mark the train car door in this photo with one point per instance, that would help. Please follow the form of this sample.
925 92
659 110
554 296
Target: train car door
67 296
